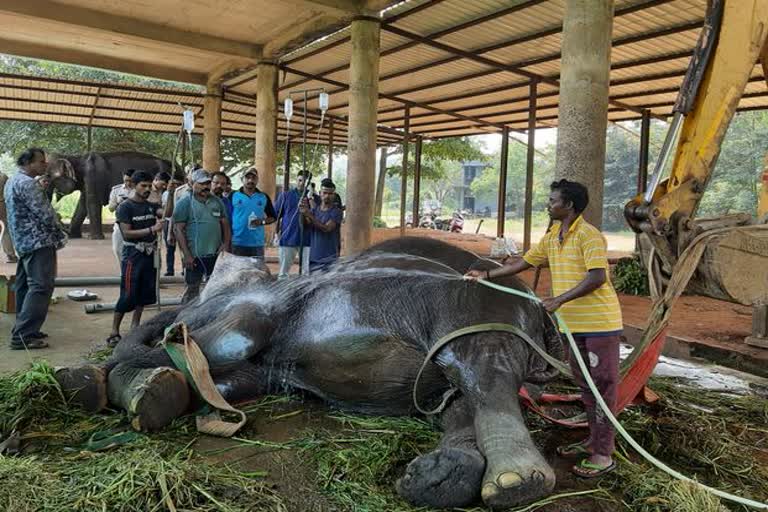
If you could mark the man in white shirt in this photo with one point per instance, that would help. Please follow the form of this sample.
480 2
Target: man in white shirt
117 195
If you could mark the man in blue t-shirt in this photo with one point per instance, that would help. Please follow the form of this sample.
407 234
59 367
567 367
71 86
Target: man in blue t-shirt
288 228
324 223
251 210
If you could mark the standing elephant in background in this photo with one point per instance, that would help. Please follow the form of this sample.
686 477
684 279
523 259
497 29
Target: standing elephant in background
94 175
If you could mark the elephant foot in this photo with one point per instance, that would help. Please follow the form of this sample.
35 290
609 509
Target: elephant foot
153 397
443 478
96 236
85 386
514 487
75 234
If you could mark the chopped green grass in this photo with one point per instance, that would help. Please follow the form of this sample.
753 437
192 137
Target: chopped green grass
720 439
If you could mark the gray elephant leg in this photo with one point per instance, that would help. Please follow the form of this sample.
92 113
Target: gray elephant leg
489 369
94 205
451 475
516 472
76 225
153 397
85 385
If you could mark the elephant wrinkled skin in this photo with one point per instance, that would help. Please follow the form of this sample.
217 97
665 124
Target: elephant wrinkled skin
356 336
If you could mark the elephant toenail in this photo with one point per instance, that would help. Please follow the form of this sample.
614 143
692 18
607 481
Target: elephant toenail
507 480
490 490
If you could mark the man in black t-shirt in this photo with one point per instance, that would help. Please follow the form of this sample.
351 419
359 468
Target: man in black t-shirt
139 224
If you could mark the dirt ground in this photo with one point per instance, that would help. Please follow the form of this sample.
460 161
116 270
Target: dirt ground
708 321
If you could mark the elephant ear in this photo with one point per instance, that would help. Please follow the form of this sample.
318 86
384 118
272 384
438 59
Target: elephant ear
233 272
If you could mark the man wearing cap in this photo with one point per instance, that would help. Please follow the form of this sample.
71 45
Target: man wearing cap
251 210
202 232
324 223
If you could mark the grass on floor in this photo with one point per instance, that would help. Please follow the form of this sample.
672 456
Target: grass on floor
718 438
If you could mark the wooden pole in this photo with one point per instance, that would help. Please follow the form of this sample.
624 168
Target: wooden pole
417 181
502 201
530 158
330 149
287 170
404 176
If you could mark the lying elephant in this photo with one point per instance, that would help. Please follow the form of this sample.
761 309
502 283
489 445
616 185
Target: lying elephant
94 175
356 336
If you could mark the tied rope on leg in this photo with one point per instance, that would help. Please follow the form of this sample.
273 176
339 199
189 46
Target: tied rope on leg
191 361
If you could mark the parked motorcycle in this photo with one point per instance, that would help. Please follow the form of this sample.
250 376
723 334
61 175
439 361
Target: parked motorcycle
457 223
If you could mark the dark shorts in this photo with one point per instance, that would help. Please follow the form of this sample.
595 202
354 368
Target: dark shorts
203 267
253 252
137 282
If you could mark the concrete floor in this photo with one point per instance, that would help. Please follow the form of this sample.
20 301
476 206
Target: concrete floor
73 333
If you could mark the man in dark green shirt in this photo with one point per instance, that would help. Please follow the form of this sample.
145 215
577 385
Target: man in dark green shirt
202 231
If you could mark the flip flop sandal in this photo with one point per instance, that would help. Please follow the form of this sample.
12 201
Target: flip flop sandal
572 450
588 470
31 344
113 340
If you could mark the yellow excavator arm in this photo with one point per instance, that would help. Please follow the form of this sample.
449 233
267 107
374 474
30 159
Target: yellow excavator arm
732 43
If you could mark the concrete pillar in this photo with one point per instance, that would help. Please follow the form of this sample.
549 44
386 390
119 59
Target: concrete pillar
212 126
361 145
584 75
266 127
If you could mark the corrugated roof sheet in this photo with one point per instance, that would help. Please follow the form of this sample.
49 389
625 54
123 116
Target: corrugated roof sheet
448 91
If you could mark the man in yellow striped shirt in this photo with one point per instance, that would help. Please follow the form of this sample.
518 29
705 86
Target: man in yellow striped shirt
587 302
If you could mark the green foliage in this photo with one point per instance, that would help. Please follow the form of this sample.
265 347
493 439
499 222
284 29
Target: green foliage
630 277
735 183
437 155
378 222
485 187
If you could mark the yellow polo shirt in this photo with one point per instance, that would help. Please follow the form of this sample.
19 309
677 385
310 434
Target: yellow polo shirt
583 249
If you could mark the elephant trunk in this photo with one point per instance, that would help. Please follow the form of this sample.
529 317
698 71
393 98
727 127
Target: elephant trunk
138 348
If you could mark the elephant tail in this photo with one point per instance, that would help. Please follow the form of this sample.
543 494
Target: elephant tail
139 347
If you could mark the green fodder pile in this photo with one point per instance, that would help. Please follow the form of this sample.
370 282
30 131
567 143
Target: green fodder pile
720 439
358 466
629 276
56 470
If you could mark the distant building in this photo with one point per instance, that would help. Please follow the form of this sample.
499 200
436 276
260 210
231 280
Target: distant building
464 196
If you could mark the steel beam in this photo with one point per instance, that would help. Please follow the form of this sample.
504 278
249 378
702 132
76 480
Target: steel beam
529 164
502 197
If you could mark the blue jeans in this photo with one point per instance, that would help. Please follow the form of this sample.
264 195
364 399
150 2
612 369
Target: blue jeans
35 275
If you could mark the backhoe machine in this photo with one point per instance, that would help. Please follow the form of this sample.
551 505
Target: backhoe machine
733 265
